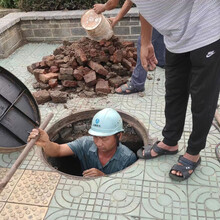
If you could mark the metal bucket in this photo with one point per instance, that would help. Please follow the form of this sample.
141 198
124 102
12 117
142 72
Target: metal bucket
97 26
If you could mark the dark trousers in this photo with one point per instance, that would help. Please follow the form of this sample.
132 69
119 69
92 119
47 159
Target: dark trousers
195 73
159 47
139 74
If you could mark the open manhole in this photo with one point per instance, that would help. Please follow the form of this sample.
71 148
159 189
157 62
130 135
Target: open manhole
77 125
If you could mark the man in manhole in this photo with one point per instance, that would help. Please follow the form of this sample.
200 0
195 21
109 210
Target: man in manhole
99 154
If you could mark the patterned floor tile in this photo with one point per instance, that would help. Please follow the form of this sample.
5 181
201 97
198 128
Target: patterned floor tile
204 202
24 212
60 214
7 160
158 168
135 171
6 192
75 194
36 162
164 201
119 196
35 188
1 206
207 174
67 214
142 191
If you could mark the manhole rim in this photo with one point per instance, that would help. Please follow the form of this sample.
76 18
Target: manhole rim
127 117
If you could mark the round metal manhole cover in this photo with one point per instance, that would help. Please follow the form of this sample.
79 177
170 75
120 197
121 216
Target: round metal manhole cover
19 112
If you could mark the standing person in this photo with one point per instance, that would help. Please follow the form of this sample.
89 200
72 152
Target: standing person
192 37
99 154
139 75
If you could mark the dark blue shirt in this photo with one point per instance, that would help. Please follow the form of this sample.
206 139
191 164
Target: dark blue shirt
85 149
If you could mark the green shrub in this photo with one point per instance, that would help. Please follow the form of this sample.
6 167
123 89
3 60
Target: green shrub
51 5
9 3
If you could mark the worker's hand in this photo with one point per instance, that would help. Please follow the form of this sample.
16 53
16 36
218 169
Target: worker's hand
92 172
43 137
113 21
148 58
99 8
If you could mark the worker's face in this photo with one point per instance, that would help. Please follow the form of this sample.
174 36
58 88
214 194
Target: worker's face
105 144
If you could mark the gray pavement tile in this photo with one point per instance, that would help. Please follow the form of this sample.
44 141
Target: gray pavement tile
141 191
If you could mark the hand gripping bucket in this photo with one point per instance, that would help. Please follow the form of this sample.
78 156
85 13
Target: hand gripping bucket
96 25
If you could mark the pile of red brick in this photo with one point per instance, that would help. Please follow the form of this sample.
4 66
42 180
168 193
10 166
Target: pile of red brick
86 67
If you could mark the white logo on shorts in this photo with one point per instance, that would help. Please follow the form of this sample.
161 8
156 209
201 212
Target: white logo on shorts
210 53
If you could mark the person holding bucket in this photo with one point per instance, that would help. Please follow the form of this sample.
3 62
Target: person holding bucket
139 75
99 154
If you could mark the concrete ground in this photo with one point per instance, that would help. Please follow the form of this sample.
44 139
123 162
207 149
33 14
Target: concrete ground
142 191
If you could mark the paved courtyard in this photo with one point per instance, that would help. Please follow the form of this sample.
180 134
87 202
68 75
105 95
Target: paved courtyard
142 191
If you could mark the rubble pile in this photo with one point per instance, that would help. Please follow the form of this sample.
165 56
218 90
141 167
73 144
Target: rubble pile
86 67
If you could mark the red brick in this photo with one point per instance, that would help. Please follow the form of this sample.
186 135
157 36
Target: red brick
93 52
46 77
54 69
78 75
117 81
32 67
128 44
108 43
66 59
58 97
117 56
37 73
127 64
90 78
102 42
53 83
50 63
129 54
43 64
80 55
65 77
135 55
111 49
67 71
85 70
59 62
73 63
69 83
42 96
102 87
103 57
98 68
133 62
48 58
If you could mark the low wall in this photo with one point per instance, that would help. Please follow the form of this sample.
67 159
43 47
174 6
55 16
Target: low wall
4 12
54 27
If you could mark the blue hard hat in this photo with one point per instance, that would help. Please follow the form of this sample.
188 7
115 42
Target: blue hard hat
106 123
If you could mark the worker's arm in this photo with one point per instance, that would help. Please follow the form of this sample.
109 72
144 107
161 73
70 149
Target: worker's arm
51 149
148 59
124 10
109 5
